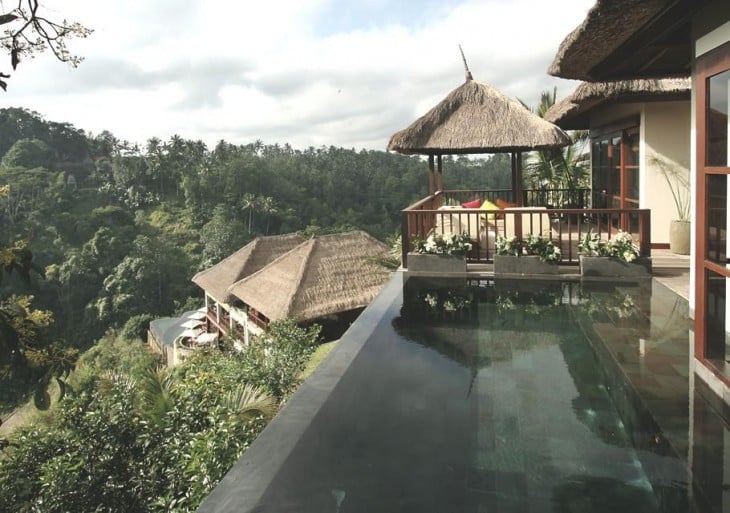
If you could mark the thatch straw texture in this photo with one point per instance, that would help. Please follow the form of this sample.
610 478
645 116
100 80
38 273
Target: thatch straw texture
246 261
571 113
607 26
323 276
476 118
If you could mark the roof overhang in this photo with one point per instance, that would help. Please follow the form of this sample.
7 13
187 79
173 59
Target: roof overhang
626 39
574 112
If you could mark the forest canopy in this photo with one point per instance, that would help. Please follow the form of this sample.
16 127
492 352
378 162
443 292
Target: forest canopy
120 229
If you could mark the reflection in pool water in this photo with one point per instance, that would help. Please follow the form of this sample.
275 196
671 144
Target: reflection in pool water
508 396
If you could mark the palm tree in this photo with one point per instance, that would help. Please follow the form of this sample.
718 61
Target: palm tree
250 202
248 401
268 207
565 168
158 394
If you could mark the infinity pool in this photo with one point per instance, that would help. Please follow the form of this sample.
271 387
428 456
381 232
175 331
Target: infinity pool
478 397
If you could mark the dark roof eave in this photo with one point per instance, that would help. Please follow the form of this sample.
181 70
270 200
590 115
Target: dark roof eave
579 118
659 47
474 151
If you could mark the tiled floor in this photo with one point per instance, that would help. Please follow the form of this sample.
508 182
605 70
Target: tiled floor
672 270
689 422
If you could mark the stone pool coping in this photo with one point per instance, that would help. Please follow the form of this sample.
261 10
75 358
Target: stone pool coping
243 486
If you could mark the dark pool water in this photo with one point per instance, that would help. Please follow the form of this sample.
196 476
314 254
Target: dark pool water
496 397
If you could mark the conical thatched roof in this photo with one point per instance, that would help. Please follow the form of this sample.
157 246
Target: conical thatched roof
322 276
571 113
608 25
476 118
244 262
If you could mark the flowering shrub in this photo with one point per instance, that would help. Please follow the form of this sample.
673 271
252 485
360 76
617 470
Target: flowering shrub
531 245
509 246
450 244
621 246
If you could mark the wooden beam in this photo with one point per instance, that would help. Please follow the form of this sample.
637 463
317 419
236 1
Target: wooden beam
517 190
440 167
514 177
431 185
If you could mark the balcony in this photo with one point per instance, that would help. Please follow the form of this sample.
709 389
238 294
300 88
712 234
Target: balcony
557 214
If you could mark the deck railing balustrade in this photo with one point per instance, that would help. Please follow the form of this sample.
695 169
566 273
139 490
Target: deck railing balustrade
564 226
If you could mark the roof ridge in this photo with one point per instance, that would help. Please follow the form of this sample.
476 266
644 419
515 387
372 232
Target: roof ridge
229 257
300 274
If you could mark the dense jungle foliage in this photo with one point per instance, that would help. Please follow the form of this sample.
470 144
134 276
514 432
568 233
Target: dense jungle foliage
162 439
119 230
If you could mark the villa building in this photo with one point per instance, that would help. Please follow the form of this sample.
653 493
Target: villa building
639 133
320 279
662 39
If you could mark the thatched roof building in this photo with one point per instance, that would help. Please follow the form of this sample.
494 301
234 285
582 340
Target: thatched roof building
572 113
621 39
246 261
476 118
322 276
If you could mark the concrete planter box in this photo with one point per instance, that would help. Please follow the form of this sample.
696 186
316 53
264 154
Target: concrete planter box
436 264
509 264
612 267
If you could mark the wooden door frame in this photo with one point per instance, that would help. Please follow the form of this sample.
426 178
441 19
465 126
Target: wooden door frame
712 63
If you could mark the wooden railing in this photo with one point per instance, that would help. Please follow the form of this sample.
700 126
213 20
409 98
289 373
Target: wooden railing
549 198
221 326
564 226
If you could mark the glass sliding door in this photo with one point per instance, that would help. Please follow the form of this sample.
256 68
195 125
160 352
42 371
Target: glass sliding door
712 343
615 172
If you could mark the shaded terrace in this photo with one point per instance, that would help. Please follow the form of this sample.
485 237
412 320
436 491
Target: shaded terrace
477 119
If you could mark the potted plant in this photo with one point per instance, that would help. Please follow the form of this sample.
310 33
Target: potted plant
617 257
440 253
677 178
532 255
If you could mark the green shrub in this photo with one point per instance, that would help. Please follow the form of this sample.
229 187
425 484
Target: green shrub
136 327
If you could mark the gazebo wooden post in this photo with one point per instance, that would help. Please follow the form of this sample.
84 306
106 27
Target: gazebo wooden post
440 176
514 176
431 185
518 167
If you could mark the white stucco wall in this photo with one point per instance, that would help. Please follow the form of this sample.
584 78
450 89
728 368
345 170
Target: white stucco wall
665 138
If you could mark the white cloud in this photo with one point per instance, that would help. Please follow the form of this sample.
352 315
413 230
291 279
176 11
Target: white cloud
313 72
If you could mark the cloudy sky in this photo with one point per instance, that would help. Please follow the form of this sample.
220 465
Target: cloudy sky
306 72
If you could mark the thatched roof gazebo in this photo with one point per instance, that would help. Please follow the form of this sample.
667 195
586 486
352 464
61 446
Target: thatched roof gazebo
476 118
572 112
255 255
322 276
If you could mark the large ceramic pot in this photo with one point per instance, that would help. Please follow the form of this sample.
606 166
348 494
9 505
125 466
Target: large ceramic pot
436 264
527 265
679 233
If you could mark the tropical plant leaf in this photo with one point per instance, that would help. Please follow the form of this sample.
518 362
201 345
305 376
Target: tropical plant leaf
41 397
7 18
248 401
61 388
156 393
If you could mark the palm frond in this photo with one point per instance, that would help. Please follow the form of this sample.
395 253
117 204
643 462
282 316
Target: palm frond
248 401
156 393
